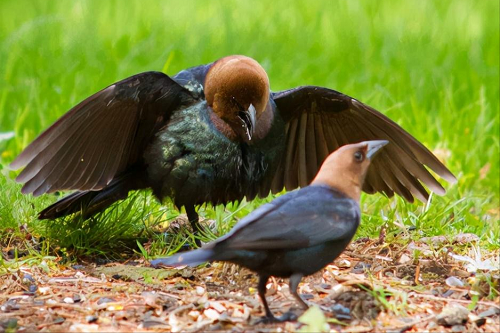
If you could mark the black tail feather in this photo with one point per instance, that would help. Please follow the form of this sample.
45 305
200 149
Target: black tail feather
91 202
191 258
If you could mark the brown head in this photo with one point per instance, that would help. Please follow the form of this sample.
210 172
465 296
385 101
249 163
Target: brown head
237 89
345 169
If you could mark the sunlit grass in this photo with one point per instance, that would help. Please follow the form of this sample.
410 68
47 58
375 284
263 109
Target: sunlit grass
432 66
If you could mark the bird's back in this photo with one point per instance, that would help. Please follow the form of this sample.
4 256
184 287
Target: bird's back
302 231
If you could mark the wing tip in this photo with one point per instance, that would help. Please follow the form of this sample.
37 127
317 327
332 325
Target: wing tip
437 188
16 164
25 190
449 177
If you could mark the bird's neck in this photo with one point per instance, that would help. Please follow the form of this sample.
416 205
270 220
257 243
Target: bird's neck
262 127
223 127
340 180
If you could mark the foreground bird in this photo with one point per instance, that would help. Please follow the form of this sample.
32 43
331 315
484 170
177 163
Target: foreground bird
298 233
213 133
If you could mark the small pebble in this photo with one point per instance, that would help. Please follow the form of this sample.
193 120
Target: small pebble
361 267
103 300
68 300
490 312
11 254
79 275
341 312
217 306
59 320
458 328
466 238
339 308
211 314
404 259
436 240
10 305
91 319
149 298
119 315
32 288
28 278
479 321
453 314
194 314
200 290
343 263
77 298
38 302
453 281
43 290
307 296
431 325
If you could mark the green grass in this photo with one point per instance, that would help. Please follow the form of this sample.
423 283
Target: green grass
432 66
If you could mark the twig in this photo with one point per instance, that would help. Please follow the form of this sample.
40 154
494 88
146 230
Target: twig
198 326
163 293
358 255
181 308
417 274
76 307
235 297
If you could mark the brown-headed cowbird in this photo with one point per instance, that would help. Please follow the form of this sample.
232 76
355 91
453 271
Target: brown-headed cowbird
298 233
213 133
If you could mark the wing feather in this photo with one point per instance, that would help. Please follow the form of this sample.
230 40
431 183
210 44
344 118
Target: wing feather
306 217
326 119
102 136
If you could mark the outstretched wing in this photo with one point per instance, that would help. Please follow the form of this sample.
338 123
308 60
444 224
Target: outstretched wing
320 120
100 137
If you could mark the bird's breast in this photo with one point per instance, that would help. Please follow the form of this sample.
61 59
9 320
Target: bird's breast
192 162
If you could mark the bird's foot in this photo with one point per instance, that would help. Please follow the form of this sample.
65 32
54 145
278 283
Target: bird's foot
198 243
288 316
325 308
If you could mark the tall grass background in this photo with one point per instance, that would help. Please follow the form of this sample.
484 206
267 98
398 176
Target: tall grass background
432 66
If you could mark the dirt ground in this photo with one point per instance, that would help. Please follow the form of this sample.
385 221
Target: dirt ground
373 287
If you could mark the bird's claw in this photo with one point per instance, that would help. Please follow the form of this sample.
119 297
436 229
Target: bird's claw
287 316
198 243
325 308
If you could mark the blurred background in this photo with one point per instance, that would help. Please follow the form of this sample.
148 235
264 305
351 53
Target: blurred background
431 66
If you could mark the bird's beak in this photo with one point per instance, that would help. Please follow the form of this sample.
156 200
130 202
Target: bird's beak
253 117
248 117
374 146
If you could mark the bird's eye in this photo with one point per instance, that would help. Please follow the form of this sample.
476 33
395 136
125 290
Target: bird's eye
358 156
238 105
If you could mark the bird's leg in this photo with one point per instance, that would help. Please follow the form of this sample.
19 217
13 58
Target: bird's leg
269 317
261 288
194 221
262 294
294 283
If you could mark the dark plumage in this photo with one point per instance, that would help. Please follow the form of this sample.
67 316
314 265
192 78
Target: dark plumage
212 133
300 232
